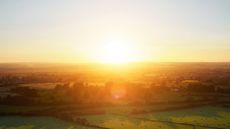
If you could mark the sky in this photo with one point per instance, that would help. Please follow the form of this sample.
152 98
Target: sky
147 30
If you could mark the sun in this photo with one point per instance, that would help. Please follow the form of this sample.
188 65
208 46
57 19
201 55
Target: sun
116 52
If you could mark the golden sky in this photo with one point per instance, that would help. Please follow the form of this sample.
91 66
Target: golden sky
119 31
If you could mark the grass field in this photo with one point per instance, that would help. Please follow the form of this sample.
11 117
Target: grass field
203 116
17 122
180 119
206 116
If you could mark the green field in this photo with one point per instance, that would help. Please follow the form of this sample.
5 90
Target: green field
17 122
206 116
202 116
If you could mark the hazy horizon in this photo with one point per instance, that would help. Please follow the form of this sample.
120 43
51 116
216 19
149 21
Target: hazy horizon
135 62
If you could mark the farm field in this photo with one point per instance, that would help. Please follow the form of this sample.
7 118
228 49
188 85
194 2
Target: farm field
41 85
18 122
204 116
201 118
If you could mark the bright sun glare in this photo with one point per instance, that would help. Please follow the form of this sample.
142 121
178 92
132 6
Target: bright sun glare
116 52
